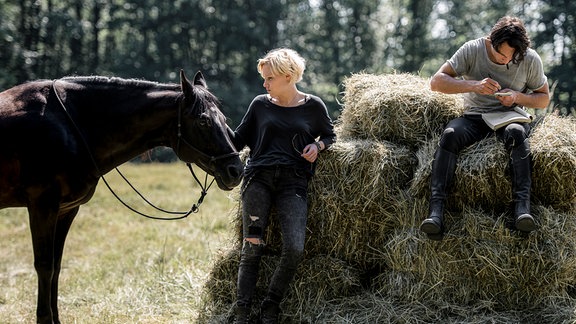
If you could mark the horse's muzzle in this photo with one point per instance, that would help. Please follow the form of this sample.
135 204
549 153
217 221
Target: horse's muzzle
230 176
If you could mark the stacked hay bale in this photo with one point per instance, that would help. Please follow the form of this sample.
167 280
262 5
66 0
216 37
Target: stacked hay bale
399 108
554 155
366 260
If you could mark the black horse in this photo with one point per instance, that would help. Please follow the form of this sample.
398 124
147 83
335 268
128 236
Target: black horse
58 137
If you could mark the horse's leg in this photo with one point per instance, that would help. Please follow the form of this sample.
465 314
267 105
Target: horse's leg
43 213
62 227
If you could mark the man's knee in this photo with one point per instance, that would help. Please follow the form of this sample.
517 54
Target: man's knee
515 135
449 140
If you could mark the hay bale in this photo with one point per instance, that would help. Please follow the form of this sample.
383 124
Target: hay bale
375 304
371 307
366 260
483 177
481 261
219 290
318 279
399 108
553 144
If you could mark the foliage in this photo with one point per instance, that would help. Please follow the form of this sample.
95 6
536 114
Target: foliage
557 24
153 39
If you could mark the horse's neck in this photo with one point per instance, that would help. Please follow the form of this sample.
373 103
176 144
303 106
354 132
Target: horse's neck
119 125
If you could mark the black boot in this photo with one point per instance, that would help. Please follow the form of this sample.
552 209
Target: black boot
521 185
269 312
241 315
443 168
523 220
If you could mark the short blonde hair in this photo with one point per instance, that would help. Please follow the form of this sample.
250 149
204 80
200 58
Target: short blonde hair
284 61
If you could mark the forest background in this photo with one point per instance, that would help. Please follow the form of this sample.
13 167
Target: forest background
154 39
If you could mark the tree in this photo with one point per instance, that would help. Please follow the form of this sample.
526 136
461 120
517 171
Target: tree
417 42
557 36
336 38
153 39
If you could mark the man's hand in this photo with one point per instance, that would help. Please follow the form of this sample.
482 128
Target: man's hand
487 86
507 100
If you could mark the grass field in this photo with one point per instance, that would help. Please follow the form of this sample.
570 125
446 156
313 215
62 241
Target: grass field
119 267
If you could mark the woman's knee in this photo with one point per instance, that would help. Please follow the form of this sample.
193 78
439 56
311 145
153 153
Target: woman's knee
252 251
292 257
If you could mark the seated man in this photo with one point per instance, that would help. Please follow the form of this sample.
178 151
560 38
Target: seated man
502 62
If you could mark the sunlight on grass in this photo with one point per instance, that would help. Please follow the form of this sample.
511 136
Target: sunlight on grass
120 267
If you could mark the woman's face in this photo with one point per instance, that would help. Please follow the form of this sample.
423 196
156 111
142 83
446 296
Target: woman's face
274 84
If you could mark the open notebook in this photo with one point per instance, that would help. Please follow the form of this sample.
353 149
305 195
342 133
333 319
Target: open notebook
499 119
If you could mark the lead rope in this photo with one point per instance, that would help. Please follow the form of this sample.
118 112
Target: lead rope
193 209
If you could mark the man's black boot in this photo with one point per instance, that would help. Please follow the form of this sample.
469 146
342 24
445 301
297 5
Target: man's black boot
523 220
521 185
443 169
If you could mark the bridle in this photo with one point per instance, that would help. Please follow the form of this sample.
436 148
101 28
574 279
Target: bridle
203 186
211 159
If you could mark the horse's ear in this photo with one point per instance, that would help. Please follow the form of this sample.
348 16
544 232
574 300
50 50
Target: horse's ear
186 85
199 80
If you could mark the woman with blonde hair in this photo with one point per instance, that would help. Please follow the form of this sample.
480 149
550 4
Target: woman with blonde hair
285 129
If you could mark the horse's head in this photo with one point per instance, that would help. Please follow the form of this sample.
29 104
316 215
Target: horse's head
203 135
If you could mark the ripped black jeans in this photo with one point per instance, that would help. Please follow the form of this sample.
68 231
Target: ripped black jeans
286 189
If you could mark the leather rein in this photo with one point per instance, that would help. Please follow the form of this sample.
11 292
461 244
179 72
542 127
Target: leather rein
203 186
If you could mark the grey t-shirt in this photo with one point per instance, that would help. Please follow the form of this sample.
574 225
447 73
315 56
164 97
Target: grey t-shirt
471 62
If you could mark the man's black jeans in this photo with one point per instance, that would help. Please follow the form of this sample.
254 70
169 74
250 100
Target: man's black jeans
467 130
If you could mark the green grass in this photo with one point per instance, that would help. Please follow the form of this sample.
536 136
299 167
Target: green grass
120 267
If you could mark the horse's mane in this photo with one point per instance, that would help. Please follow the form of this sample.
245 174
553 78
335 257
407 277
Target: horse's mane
201 92
107 81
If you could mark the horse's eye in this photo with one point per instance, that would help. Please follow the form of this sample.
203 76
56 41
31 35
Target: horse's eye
205 121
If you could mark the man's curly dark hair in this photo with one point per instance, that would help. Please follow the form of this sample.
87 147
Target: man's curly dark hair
511 30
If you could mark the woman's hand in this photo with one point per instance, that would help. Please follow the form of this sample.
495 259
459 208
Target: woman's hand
311 152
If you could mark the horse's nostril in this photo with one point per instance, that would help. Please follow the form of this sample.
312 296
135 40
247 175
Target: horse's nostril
234 171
